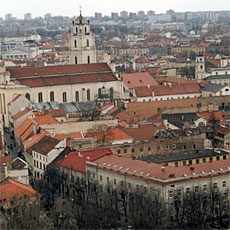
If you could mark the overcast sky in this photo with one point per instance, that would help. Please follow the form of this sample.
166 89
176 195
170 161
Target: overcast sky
71 7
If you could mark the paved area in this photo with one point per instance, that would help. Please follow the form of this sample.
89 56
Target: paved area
10 143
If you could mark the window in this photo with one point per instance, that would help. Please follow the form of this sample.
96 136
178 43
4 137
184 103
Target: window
99 92
210 159
64 97
141 149
184 163
149 148
111 93
196 189
125 150
87 42
88 59
122 183
224 157
190 162
224 184
185 147
86 30
166 146
176 164
100 177
40 97
215 185
217 158
173 146
75 59
76 96
114 181
27 96
107 179
88 95
194 146
35 163
197 161
75 43
204 188
133 150
51 96
158 110
204 160
118 151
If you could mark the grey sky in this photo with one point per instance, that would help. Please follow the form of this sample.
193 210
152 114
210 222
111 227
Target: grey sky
71 7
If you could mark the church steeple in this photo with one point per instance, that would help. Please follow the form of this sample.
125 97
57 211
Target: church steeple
82 42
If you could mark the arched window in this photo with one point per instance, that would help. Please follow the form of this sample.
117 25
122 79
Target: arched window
88 95
87 42
75 59
51 96
86 30
88 59
76 96
76 30
75 43
40 97
64 97
111 92
27 96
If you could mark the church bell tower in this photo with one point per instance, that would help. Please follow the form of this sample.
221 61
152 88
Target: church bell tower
82 42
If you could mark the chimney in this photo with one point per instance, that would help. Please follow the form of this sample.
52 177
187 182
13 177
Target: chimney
5 170
162 168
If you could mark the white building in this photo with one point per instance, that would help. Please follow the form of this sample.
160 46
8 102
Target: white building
82 42
44 152
63 84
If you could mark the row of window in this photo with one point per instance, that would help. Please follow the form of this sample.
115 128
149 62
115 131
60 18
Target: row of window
64 96
39 165
87 43
38 156
76 60
196 189
203 160
167 147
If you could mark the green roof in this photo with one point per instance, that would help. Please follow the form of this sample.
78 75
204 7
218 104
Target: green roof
212 77
212 87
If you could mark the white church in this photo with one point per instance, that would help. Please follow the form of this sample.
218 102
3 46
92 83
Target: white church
83 80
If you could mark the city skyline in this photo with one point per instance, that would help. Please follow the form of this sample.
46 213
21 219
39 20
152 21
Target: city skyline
71 7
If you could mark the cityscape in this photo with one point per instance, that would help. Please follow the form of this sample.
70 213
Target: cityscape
115 121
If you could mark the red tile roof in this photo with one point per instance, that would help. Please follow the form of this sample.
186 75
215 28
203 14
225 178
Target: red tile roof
161 90
25 129
5 160
77 160
216 115
21 113
35 139
75 135
45 145
62 75
45 119
28 71
144 132
55 112
138 79
158 173
11 189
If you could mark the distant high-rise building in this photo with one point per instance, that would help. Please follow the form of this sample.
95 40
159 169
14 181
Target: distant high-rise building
8 17
151 13
27 16
46 16
124 14
188 16
133 16
98 16
141 14
114 16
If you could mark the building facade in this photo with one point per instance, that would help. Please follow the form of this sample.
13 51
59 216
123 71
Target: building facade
82 42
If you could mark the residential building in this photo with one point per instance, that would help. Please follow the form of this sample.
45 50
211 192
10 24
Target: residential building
44 152
131 174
